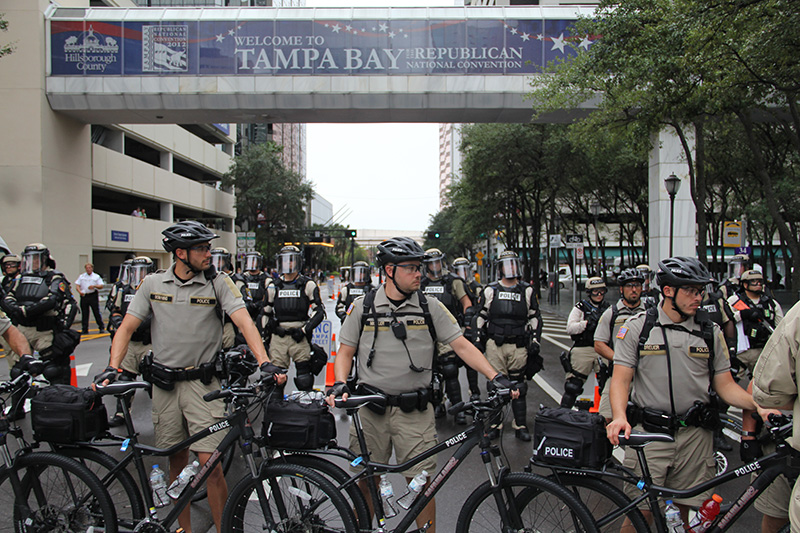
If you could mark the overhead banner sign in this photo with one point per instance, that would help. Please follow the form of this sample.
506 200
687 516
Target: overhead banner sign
308 47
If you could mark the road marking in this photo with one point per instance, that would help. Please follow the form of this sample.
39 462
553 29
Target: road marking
553 341
83 370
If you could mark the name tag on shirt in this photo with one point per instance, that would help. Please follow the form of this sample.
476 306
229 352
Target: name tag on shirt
653 349
699 352
289 293
434 289
252 286
158 297
129 297
509 296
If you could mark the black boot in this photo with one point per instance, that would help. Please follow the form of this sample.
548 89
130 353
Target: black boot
522 434
720 442
520 409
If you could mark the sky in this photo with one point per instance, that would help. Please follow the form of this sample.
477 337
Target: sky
385 175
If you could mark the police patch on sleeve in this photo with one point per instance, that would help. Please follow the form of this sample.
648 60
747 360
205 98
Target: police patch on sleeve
622 332
350 309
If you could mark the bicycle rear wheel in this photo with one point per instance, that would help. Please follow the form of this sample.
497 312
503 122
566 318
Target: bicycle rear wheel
601 498
58 495
286 497
525 502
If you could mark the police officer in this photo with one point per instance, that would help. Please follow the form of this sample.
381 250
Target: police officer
756 316
141 342
186 330
650 292
738 265
289 301
360 284
581 325
41 303
510 326
256 280
116 287
451 291
631 282
396 355
221 261
775 387
667 360
10 268
463 269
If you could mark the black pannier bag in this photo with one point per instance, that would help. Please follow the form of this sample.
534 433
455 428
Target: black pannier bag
65 414
573 439
300 424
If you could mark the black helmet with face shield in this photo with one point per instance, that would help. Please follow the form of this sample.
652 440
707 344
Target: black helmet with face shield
359 272
434 263
289 260
124 272
35 258
508 265
462 268
253 261
139 268
221 259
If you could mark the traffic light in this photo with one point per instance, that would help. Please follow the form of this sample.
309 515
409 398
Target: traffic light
433 235
353 233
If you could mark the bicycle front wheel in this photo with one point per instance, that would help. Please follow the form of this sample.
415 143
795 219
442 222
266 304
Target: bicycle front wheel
287 498
57 495
524 502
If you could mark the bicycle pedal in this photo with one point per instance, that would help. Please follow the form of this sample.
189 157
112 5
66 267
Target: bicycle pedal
423 529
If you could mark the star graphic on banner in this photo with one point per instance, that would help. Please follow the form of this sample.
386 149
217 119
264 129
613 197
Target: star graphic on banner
513 31
231 31
363 30
348 28
540 37
383 27
336 28
391 35
525 36
585 43
220 38
558 42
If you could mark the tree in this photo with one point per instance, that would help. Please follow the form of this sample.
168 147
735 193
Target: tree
269 197
5 49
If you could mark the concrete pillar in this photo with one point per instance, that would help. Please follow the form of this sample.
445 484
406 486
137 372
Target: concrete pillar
667 157
166 161
166 212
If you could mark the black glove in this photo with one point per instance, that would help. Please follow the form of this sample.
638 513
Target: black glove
751 313
21 366
750 450
110 374
337 389
535 362
268 370
298 334
502 382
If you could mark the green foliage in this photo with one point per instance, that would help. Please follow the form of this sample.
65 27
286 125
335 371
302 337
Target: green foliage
5 49
264 184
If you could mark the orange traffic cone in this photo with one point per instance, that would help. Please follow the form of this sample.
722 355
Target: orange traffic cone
330 379
73 375
596 405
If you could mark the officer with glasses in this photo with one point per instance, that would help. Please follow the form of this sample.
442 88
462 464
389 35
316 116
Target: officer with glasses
631 282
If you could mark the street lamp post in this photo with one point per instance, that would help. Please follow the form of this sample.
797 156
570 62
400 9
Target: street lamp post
673 184
595 209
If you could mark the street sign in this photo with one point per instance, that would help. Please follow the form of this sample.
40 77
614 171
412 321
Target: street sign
744 250
579 253
555 241
732 233
479 255
322 336
251 241
574 240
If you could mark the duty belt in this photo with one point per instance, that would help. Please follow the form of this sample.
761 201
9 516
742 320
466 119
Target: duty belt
699 415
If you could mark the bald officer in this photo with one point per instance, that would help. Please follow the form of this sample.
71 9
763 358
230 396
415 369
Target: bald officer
666 360
186 302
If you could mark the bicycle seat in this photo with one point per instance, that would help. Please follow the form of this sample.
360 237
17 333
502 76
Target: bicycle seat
121 387
358 401
640 439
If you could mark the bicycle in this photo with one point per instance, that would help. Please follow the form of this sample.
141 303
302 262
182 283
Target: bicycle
285 494
45 492
769 467
498 503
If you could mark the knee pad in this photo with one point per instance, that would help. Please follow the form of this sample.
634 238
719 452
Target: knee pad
449 369
56 373
573 387
304 380
522 385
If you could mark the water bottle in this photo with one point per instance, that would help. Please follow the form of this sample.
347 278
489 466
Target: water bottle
183 479
415 486
673 517
707 513
159 485
387 493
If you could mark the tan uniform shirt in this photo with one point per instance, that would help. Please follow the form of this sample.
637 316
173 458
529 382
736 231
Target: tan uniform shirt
389 370
5 323
186 329
606 331
688 356
774 377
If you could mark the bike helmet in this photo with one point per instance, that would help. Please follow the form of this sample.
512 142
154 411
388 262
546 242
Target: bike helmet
139 268
253 261
290 260
185 235
508 265
462 268
11 259
221 259
630 274
679 271
360 272
434 263
35 258
595 283
399 249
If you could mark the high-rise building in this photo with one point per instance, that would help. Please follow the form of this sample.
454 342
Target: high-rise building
449 159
